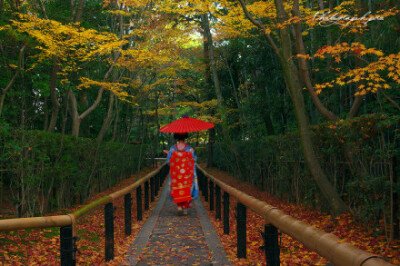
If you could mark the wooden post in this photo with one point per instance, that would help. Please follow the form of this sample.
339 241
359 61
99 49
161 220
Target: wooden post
109 230
67 250
226 213
152 189
146 195
157 184
128 214
241 230
218 202
211 195
139 203
271 245
205 184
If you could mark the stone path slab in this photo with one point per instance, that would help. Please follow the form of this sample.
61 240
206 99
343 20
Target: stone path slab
169 239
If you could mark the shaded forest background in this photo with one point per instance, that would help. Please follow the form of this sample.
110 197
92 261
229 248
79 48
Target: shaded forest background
86 85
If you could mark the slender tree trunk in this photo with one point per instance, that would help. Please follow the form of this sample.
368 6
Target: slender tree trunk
295 91
79 11
267 118
242 116
221 107
116 120
291 76
107 120
11 82
46 113
157 137
211 141
54 98
42 8
76 120
304 69
4 91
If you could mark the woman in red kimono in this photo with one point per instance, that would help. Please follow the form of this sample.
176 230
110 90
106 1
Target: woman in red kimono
183 177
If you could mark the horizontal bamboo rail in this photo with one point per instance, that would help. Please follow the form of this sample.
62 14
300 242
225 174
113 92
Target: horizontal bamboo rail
327 245
36 222
69 219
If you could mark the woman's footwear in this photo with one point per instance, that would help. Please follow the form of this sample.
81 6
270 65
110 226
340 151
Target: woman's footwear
179 210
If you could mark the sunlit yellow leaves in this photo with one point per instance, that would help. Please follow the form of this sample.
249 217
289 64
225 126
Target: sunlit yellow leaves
203 105
116 88
13 66
370 78
69 43
120 13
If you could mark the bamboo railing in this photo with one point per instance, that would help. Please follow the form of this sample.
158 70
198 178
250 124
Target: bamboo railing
327 245
67 222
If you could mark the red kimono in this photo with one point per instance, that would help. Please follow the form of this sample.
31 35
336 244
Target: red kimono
182 171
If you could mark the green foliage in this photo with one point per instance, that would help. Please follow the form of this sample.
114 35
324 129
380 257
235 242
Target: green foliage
47 171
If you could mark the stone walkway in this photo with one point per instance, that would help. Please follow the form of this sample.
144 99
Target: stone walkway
169 239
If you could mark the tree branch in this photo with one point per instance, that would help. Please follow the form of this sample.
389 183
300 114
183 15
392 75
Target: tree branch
260 26
390 99
304 69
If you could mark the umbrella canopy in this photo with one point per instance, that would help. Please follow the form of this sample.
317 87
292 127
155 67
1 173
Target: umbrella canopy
186 124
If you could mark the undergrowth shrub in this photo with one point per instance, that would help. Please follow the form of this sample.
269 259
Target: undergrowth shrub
43 171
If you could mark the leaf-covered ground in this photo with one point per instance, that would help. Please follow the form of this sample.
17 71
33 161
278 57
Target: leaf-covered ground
41 247
292 251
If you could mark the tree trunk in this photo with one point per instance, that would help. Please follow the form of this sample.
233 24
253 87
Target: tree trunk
116 120
291 76
221 107
157 137
304 69
46 115
107 120
54 99
211 141
9 85
292 81
76 120
79 11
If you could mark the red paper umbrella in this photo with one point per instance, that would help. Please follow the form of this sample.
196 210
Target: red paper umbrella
186 124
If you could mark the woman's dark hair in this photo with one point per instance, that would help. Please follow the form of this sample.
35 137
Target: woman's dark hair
181 136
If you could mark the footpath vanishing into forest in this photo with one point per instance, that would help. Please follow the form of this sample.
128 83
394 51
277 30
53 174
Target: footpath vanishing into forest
165 238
